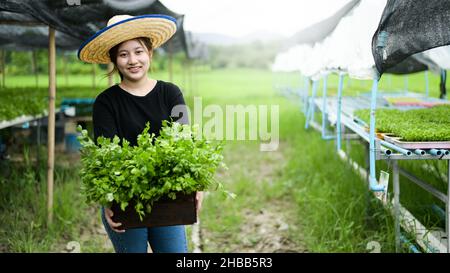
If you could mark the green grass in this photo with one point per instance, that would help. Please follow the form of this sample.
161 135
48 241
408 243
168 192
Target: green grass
23 206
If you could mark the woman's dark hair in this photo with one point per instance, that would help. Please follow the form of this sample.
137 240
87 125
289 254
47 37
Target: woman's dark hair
113 52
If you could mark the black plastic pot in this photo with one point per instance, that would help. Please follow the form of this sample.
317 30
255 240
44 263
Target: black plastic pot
165 212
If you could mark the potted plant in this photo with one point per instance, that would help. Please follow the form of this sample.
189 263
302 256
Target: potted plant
153 183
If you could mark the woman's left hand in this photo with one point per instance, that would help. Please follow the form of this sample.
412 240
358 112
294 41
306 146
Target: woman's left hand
198 201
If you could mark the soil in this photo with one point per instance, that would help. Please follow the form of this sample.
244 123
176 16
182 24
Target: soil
265 231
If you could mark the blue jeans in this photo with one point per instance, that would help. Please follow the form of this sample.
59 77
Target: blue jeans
168 239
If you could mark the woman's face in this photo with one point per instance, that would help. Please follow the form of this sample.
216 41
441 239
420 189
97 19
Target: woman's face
133 60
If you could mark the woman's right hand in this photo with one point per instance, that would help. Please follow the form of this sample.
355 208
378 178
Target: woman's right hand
113 225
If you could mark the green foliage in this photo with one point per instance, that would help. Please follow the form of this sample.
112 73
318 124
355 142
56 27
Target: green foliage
176 161
428 124
21 102
23 207
21 63
15 102
254 55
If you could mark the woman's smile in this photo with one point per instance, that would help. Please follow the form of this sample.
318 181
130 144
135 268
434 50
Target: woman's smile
135 69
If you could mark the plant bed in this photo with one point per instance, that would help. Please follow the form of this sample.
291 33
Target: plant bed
418 125
164 212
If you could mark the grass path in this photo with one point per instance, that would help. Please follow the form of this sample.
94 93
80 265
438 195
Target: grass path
256 221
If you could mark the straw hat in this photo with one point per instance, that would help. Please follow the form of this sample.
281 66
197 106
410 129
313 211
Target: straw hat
159 28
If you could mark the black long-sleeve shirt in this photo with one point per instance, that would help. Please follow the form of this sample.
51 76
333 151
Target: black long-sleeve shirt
117 112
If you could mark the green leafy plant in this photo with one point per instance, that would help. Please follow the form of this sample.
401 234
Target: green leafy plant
177 161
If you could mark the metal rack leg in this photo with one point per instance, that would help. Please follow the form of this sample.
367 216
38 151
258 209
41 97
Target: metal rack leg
367 193
395 177
367 159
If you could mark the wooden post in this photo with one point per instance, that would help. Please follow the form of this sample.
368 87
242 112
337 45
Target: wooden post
110 76
51 120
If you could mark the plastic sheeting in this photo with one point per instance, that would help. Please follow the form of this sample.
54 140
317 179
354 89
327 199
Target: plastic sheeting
407 66
294 59
408 27
347 48
435 58
319 31
75 23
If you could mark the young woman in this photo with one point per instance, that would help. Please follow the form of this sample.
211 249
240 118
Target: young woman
124 109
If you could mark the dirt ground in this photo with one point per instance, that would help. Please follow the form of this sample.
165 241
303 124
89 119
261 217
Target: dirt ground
268 230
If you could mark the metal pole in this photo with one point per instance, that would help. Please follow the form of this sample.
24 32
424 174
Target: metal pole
373 105
51 121
372 148
396 180
306 94
447 208
367 161
338 123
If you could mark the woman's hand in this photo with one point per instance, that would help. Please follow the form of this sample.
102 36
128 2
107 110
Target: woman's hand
198 201
113 225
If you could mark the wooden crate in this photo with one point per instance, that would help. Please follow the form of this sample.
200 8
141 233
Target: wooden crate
165 212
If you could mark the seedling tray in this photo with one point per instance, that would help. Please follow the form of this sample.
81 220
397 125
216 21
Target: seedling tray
416 144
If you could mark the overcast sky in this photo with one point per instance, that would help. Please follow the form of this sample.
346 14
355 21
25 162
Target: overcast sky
242 17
